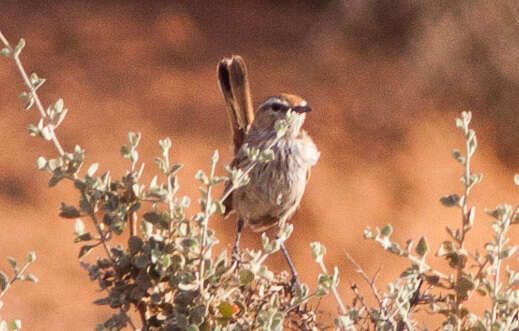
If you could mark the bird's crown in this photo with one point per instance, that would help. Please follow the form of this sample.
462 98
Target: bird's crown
285 102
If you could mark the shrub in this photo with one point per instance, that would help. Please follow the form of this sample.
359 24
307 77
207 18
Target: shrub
168 269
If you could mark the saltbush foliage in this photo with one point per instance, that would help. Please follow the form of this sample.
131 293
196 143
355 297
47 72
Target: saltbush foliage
6 283
169 271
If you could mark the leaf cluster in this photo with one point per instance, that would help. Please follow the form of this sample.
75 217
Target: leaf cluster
474 274
168 269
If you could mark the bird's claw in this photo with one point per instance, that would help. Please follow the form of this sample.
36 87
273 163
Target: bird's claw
236 257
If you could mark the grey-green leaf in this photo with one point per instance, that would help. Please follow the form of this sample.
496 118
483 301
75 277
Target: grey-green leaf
79 227
19 47
31 257
5 52
386 230
4 280
246 277
421 248
450 200
67 211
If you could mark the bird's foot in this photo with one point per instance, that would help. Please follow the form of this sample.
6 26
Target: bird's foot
236 256
294 282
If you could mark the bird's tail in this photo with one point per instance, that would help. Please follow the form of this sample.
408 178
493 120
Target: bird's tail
234 84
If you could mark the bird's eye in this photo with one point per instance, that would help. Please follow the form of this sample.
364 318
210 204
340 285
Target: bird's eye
278 106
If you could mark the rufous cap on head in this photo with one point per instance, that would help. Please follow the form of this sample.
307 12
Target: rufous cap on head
292 99
285 102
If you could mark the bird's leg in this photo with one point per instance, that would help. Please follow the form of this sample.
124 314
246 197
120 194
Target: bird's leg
236 248
295 279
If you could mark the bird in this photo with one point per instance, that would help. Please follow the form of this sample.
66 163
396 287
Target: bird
275 188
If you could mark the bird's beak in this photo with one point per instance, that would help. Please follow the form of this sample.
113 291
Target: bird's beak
302 109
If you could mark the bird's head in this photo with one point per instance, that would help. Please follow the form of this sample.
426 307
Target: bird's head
276 108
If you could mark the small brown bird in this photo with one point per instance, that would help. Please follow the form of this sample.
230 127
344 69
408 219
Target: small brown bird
275 188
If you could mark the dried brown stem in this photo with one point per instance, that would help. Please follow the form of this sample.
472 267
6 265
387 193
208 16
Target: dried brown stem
370 281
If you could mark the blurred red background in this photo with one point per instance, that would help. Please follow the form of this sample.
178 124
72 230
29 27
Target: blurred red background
385 78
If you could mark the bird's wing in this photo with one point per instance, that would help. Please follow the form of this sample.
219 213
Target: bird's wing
241 161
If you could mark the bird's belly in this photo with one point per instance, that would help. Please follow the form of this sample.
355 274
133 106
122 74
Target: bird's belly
274 191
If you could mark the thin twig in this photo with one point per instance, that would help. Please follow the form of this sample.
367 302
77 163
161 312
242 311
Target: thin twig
129 320
141 307
303 300
205 224
333 288
170 187
133 224
371 282
464 216
103 237
19 65
476 277
359 297
495 302
98 228
15 278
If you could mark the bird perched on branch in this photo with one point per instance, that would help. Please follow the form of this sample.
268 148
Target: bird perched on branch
275 188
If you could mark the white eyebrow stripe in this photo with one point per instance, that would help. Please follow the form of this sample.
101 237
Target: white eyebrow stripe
272 100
